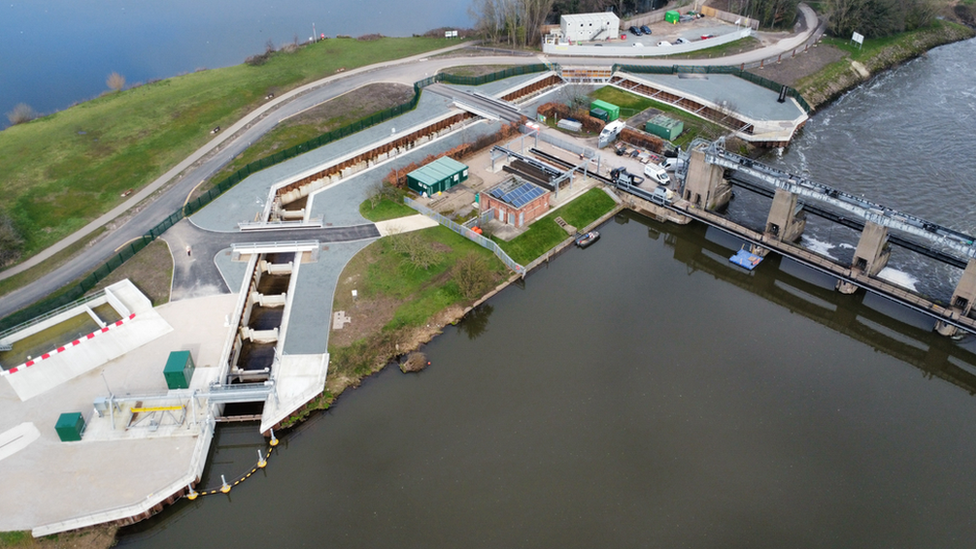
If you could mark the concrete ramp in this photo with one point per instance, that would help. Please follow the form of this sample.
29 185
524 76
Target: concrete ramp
298 379
134 332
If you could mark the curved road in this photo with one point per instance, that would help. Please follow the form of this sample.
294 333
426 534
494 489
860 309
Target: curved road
237 138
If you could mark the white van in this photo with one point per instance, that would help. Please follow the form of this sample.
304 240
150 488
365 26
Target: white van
672 163
657 174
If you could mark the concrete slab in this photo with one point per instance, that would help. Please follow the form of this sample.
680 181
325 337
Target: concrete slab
91 353
55 481
233 271
16 439
307 331
298 379
752 101
405 224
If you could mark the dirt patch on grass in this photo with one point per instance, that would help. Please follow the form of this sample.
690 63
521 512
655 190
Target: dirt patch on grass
151 270
791 70
352 106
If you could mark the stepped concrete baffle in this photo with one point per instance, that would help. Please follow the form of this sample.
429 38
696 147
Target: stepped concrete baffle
254 347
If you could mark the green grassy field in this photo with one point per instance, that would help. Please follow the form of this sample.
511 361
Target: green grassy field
732 48
545 234
624 99
384 210
694 126
63 170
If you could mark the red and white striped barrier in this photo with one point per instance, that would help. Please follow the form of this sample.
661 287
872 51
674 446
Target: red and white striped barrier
64 348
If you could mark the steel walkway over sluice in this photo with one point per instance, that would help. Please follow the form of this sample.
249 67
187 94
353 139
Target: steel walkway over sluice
933 240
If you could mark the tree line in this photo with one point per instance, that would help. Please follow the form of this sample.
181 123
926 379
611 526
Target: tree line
877 18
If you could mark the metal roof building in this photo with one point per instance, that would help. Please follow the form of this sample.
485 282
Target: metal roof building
438 176
589 26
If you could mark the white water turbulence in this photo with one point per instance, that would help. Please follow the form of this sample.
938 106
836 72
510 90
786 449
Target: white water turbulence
904 141
899 278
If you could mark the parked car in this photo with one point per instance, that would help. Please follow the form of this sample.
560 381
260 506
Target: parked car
638 45
645 29
635 31
681 41
664 44
707 36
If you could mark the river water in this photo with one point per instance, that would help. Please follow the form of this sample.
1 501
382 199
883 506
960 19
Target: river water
645 393
57 52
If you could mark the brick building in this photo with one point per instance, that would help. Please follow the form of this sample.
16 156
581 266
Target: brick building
515 201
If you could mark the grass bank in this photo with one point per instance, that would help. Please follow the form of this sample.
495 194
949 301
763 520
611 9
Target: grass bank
876 55
399 305
63 170
545 234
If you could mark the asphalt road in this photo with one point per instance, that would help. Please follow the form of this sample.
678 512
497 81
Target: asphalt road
234 140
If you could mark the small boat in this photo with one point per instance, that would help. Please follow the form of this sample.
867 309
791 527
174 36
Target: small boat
586 239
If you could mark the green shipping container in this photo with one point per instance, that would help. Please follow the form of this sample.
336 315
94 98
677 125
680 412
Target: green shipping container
672 17
664 127
599 113
70 427
613 111
179 370
438 176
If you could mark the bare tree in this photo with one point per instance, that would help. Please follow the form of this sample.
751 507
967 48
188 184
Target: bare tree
375 194
115 81
471 275
22 113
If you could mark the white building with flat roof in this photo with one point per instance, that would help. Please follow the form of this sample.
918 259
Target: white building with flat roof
589 26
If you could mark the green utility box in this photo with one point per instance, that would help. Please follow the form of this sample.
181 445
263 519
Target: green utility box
672 17
179 370
438 176
70 427
600 113
613 111
664 127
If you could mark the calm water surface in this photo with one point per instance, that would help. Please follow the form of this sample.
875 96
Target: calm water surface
644 393
639 393
56 52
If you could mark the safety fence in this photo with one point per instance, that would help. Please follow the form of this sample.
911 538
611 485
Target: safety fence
467 233
68 296
723 69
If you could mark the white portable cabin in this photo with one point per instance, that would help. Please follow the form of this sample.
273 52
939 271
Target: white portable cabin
589 26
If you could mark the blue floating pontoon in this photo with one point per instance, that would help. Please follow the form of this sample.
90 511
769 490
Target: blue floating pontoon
745 259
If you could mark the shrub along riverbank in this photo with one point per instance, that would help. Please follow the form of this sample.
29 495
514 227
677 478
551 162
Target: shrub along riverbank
63 170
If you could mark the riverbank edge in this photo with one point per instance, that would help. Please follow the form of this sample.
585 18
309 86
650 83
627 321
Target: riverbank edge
910 46
420 336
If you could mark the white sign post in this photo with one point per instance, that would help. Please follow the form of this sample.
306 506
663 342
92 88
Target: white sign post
859 38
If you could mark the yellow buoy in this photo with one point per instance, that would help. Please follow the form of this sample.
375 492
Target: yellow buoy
262 463
192 495
226 487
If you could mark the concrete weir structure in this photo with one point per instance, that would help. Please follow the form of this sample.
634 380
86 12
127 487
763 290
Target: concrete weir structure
705 189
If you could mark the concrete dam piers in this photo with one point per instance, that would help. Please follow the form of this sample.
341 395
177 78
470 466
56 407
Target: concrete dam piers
705 188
